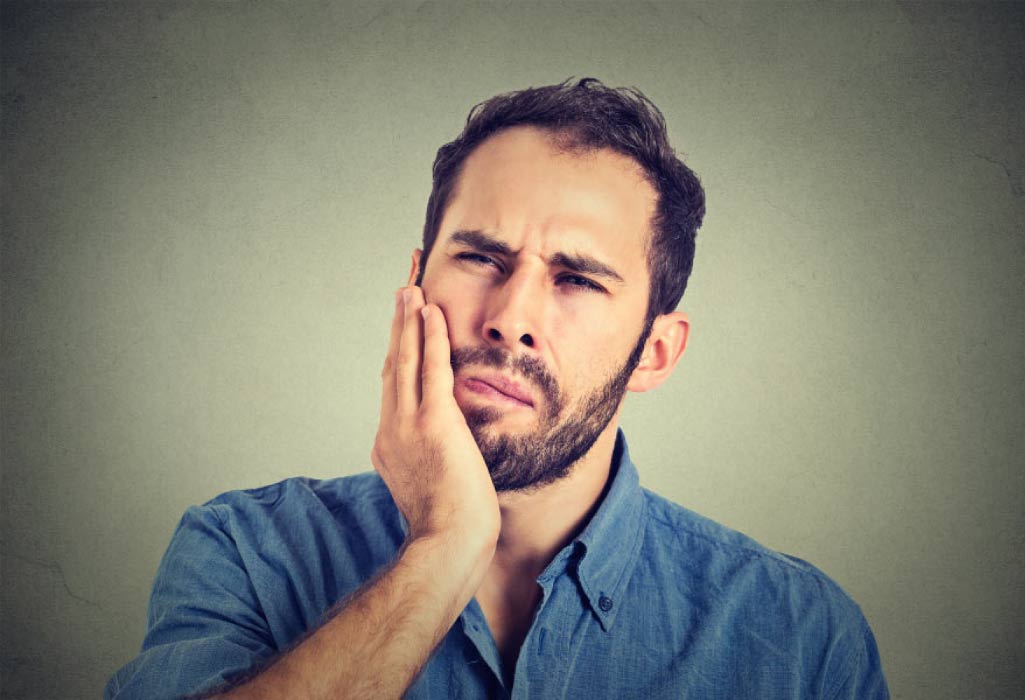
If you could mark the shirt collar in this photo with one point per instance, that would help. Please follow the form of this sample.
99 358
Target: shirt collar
611 542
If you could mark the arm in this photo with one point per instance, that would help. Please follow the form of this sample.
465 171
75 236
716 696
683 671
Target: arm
378 639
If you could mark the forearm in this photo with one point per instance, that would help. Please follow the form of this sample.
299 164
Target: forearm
379 638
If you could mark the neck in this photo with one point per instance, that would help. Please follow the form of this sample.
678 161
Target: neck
537 524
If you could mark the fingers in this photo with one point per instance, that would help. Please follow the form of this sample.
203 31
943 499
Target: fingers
424 450
437 363
418 365
409 360
388 373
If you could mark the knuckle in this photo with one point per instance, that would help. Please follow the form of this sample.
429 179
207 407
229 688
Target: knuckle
426 423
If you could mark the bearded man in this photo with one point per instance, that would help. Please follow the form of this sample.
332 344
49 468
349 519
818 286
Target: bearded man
504 547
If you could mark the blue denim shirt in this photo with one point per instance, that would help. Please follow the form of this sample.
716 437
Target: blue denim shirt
649 601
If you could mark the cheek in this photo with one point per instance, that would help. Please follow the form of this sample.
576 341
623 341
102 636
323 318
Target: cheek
462 315
603 354
581 333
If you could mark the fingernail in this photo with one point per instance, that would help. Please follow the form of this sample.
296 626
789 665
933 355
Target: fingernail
406 293
424 312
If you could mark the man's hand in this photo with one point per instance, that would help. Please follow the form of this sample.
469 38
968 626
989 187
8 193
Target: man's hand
424 450
377 639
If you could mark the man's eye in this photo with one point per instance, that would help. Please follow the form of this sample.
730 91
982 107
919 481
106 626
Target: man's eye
476 259
576 281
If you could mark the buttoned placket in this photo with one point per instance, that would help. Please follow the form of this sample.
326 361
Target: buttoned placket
542 656
481 647
541 645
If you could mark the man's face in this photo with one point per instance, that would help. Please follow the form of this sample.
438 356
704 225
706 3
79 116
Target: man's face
539 266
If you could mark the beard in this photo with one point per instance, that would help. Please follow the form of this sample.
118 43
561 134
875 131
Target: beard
547 454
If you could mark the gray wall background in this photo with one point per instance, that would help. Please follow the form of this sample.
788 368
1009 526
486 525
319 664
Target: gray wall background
207 206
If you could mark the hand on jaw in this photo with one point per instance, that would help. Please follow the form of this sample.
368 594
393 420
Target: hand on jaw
424 449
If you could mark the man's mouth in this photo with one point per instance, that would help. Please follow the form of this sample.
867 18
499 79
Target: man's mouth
498 387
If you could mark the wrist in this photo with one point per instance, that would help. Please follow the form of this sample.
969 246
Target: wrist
458 532
458 556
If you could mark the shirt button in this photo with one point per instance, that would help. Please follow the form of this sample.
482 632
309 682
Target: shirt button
605 603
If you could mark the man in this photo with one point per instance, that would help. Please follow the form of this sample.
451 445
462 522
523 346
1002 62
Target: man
504 547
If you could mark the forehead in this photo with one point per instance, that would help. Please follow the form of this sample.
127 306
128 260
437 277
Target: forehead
521 186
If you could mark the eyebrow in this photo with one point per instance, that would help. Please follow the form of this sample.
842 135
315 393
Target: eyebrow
583 264
481 242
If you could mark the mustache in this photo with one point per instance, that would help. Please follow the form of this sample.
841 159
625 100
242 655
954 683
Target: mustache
531 368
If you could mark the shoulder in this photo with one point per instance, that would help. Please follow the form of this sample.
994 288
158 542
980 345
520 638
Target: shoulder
350 524
333 493
674 527
359 496
739 572
771 610
295 546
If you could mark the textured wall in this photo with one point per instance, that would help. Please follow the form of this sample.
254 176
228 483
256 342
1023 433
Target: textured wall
206 208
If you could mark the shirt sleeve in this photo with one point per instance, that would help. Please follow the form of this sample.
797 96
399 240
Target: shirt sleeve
205 624
863 672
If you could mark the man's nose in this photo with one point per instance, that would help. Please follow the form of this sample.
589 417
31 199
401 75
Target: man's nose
514 311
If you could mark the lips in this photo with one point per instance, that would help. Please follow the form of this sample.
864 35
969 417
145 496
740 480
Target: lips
507 388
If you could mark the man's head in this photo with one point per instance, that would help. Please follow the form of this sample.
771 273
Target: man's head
559 238
587 116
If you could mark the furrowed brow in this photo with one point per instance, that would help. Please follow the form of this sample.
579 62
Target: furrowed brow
481 242
583 264
586 265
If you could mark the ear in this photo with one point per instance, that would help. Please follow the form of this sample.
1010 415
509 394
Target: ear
662 351
414 270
